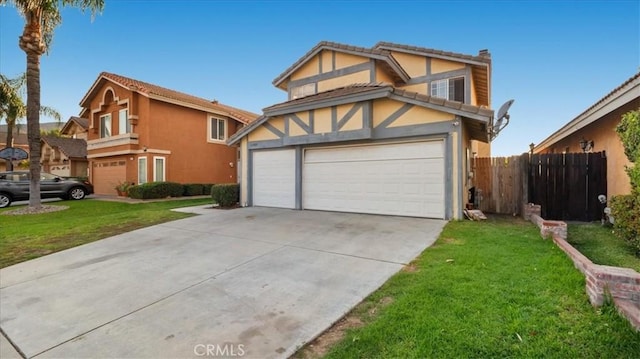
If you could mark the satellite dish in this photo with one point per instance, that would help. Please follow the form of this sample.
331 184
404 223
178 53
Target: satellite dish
502 119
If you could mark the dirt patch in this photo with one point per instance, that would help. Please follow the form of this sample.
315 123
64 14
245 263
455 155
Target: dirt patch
28 210
321 345
410 268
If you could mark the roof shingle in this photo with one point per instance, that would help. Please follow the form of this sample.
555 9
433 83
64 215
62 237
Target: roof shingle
483 57
151 89
71 147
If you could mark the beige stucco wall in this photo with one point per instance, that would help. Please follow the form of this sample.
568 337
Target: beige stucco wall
345 60
355 123
413 65
322 120
383 108
438 65
383 77
308 69
327 63
602 133
262 134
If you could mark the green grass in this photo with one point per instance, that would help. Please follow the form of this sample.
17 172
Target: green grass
26 237
490 289
600 245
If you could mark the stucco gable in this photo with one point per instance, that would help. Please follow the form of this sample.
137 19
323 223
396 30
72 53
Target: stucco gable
383 57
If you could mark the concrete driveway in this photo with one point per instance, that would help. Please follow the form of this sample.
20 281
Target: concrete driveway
252 282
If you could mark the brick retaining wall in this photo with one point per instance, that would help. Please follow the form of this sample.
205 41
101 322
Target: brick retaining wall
621 284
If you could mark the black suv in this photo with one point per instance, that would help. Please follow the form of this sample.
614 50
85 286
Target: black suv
14 186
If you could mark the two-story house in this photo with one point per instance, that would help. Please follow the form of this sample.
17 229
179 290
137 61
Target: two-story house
140 132
386 130
66 155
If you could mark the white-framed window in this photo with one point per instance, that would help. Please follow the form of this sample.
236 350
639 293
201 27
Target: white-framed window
302 91
448 89
142 170
217 129
158 169
123 122
105 126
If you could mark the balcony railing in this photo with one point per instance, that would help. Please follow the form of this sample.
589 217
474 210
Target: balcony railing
117 140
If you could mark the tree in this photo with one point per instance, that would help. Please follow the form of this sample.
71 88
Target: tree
12 107
41 18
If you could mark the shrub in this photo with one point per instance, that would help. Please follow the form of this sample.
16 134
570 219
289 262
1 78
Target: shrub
193 189
226 195
626 215
207 188
156 190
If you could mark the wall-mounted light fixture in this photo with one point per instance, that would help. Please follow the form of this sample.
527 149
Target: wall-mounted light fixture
585 145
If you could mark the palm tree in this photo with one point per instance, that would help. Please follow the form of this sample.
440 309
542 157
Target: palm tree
12 108
41 18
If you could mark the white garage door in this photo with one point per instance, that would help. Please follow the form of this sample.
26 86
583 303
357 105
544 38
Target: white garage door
405 179
274 178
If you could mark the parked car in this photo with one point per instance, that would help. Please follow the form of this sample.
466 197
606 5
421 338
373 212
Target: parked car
14 186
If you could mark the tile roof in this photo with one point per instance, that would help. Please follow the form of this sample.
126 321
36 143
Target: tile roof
71 147
81 122
151 89
455 105
330 94
484 56
375 53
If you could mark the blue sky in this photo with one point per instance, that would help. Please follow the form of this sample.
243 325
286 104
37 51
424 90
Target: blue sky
555 58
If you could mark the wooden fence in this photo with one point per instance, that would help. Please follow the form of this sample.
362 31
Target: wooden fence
501 184
565 185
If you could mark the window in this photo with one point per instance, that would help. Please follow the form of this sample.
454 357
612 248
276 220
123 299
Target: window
449 89
105 126
302 91
142 170
217 129
123 122
158 169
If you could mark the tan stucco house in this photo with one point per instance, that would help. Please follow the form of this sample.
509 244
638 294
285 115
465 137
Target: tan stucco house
66 155
595 130
139 132
383 130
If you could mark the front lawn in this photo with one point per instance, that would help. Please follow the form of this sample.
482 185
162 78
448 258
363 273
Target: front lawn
492 289
25 237
600 245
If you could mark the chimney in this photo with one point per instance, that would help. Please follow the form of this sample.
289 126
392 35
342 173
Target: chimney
484 53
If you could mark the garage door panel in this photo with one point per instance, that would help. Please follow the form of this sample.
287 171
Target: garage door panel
106 175
404 179
274 178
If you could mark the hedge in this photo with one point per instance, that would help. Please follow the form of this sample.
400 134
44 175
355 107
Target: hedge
626 218
156 190
207 188
193 189
226 194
